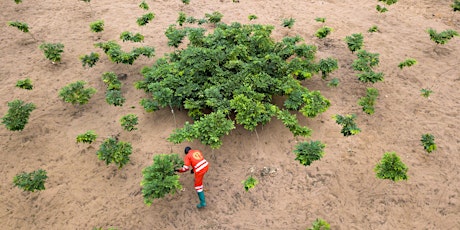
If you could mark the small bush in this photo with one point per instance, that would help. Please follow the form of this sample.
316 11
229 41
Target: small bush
368 101
129 122
333 82
320 224
348 124
89 60
75 93
407 63
18 115
25 84
249 183
426 92
97 26
288 22
52 51
114 151
428 142
252 17
323 20
114 97
391 167
145 19
31 181
354 42
87 137
307 152
323 32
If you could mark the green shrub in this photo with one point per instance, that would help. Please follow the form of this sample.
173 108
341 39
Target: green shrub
31 181
87 137
111 80
307 152
327 65
114 97
90 59
25 84
323 32
97 26
391 167
456 5
76 93
348 124
426 92
252 17
428 142
52 51
128 36
18 115
320 224
368 101
114 151
407 63
145 19
373 29
323 20
354 42
333 82
288 22
442 37
129 122
144 5
249 183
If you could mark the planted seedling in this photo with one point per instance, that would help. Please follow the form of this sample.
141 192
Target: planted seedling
89 60
323 20
252 17
428 143
407 63
323 32
288 22
443 37
381 9
315 103
31 181
249 183
391 167
145 19
111 80
426 92
373 29
186 2
214 18
160 178
456 5
320 224
114 151
52 51
128 36
307 152
97 26
389 2
114 97
18 115
354 42
88 137
368 101
129 122
144 5
22 26
181 19
348 124
334 82
25 84
326 66
76 93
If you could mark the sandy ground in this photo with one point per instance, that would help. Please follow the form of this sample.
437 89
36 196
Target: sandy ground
83 193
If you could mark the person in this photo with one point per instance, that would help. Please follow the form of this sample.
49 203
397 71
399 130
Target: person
194 158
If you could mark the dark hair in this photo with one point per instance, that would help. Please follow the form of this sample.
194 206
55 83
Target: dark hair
187 149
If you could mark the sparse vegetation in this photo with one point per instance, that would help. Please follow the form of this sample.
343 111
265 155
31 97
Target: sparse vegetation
348 124
307 152
368 101
407 63
428 143
25 84
88 137
320 224
89 60
97 26
249 183
426 92
442 37
31 181
391 167
288 22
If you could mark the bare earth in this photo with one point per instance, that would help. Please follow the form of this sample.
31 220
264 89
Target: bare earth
83 193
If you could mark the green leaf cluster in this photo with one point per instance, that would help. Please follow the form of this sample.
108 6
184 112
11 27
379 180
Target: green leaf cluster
186 2
373 29
389 2
323 32
307 152
129 122
128 36
31 181
288 22
323 20
175 36
215 17
354 42
160 178
18 1
292 123
333 82
252 17
391 167
20 26
327 65
428 142
181 19
25 84
52 51
249 183
88 137
381 9
232 72
76 93
115 54
442 37
365 63
145 19
144 5
97 26
18 115
426 92
368 101
320 224
89 59
111 80
456 5
407 63
114 151
348 124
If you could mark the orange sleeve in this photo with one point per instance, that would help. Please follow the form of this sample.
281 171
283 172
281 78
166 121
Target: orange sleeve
187 161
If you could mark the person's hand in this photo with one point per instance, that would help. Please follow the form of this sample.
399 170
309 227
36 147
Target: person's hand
191 171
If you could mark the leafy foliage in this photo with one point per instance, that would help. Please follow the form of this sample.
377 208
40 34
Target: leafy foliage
348 124
97 26
408 62
111 80
290 121
365 63
115 54
129 122
442 37
333 82
456 5
323 20
370 76
320 224
186 2
391 167
288 22
175 35
145 19
327 65
323 32
252 17
368 101
426 92
307 152
114 151
22 26
181 19
76 93
354 42
90 59
249 183
144 5
31 181
214 18
389 2
18 1
114 97
373 29
128 36
381 9
18 115
52 51
87 137
25 84
160 177
233 69
428 142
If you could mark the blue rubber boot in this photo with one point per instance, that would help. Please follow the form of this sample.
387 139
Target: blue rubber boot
202 203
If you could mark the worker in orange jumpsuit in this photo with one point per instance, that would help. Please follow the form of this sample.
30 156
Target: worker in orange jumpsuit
194 158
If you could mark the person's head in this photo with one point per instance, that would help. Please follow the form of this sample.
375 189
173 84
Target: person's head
187 149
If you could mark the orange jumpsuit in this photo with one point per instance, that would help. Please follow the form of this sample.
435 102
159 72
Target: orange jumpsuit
195 159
